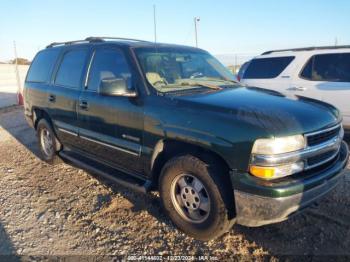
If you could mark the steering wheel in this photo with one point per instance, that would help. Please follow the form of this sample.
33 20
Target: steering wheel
196 75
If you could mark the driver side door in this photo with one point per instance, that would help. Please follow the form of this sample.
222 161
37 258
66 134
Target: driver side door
110 127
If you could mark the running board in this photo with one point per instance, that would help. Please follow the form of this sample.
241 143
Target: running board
97 168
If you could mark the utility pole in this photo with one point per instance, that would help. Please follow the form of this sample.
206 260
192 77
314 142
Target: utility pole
155 23
196 19
236 65
336 41
16 66
19 88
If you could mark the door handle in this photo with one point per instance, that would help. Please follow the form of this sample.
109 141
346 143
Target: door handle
52 98
296 88
83 104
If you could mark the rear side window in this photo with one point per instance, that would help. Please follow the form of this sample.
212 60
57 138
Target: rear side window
71 69
107 64
42 65
264 68
328 67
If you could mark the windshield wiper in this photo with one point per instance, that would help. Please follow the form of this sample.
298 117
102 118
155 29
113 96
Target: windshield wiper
220 80
215 87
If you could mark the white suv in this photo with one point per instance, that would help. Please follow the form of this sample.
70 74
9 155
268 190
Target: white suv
322 73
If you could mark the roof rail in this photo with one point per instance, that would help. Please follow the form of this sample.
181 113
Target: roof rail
311 48
66 43
103 38
92 39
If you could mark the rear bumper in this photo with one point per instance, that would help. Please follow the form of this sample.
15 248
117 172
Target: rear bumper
275 202
28 117
29 121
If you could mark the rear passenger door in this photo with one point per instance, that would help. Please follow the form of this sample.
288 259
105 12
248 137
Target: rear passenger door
38 80
111 127
63 95
327 77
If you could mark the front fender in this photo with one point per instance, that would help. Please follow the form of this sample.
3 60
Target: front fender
209 142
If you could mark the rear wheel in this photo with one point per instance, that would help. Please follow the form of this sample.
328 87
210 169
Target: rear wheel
197 196
48 142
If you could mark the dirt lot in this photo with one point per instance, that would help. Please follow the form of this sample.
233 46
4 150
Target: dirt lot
62 210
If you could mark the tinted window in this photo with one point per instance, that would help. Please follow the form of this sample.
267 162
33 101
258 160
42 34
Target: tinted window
307 71
242 70
71 69
267 67
42 65
328 67
107 64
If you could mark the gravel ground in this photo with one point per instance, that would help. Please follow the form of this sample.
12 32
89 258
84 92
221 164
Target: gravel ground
62 210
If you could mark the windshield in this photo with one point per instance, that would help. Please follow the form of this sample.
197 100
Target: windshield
175 69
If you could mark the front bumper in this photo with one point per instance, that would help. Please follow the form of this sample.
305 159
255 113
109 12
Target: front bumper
264 202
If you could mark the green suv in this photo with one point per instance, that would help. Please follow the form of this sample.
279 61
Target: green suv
171 118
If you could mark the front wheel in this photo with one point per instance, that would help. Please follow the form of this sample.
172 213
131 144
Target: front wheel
197 196
48 142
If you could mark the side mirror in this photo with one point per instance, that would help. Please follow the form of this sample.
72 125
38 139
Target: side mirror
115 87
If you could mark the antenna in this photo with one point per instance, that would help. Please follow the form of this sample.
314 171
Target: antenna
196 19
155 23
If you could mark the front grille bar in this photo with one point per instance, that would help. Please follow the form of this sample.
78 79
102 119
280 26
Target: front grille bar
323 131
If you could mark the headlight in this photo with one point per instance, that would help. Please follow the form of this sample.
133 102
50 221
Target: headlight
274 147
279 145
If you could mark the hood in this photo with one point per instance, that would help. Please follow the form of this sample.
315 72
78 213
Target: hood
269 110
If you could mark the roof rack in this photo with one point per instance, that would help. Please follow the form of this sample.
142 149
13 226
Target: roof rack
66 43
103 38
92 39
311 48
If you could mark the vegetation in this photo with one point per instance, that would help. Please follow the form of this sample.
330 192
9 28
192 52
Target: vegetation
20 61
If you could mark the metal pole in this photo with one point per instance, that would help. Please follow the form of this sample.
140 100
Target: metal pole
155 23
16 68
196 19
236 63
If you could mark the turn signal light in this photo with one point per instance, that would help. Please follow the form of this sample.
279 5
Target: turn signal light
262 172
274 172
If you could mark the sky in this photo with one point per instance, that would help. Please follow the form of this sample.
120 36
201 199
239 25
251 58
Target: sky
241 27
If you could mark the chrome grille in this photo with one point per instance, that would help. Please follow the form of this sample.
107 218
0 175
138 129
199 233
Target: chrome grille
321 139
316 160
323 136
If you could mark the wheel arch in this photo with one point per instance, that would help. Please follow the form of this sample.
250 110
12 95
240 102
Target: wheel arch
166 149
38 114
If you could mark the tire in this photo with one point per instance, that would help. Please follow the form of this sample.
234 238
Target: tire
49 144
210 210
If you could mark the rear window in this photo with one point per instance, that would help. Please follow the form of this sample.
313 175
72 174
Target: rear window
42 65
264 68
328 67
71 69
